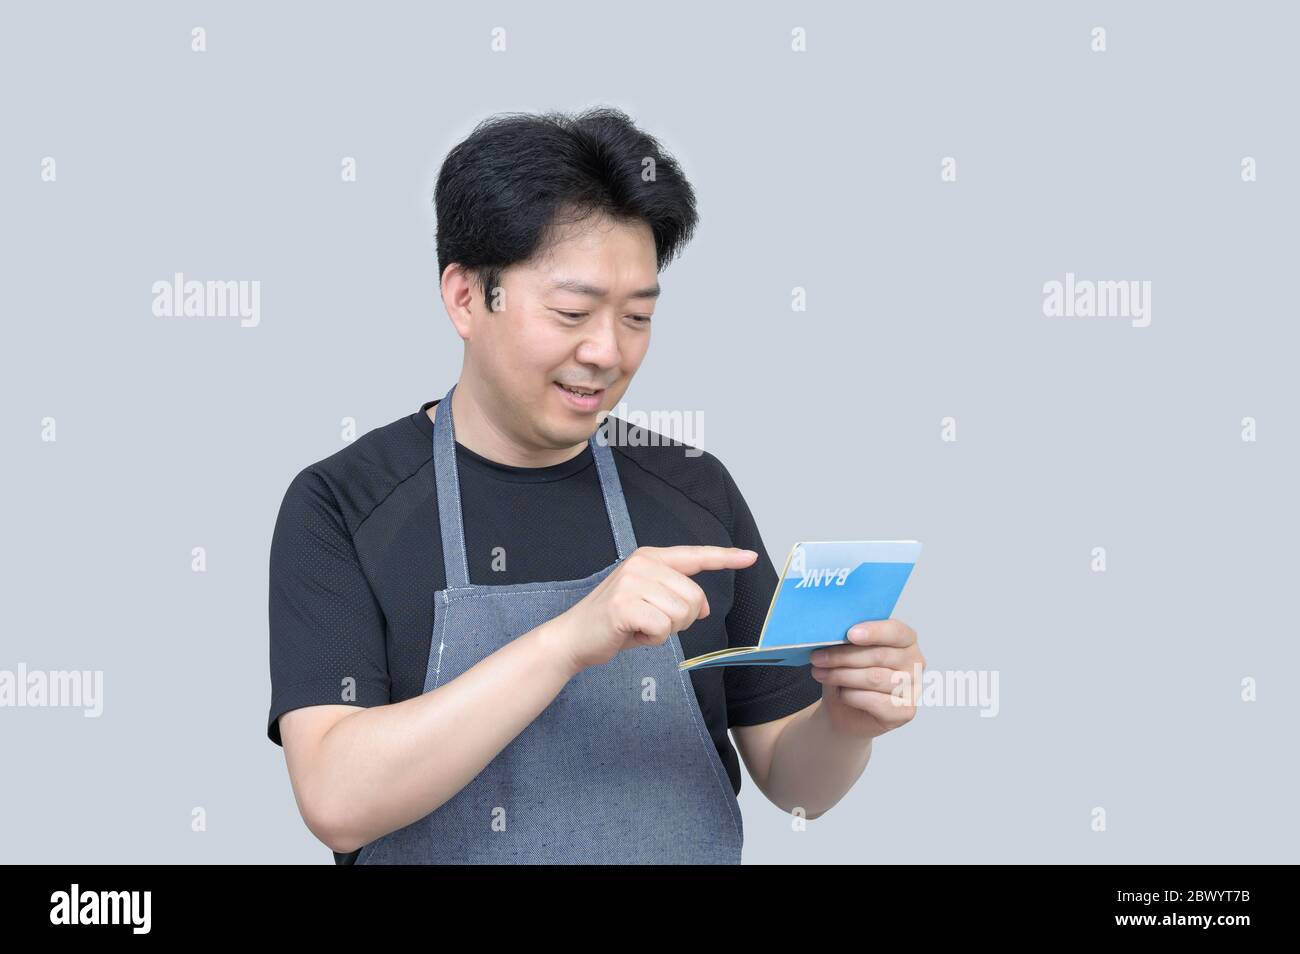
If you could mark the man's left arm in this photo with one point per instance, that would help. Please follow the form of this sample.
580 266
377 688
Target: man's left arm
808 760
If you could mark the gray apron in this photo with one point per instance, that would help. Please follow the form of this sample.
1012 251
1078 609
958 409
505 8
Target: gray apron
618 769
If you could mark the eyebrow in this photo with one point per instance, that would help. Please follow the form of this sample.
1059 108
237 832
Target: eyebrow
592 291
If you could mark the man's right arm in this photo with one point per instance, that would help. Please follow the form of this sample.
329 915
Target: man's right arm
359 773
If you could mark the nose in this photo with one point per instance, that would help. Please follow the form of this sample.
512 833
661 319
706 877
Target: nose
599 348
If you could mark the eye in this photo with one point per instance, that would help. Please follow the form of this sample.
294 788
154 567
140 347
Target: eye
640 319
568 314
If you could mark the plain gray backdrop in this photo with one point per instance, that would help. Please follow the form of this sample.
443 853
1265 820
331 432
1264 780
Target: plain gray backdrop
819 170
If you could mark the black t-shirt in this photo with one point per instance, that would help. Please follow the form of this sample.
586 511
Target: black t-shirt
356 558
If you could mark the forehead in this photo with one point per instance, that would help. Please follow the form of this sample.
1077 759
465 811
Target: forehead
599 259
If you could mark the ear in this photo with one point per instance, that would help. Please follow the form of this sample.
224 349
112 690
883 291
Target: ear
459 294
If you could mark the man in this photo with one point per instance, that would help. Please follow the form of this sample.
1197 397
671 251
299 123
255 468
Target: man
477 610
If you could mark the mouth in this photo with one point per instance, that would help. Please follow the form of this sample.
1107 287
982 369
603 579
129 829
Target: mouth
580 398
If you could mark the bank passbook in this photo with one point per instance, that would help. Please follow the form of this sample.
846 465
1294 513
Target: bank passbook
826 588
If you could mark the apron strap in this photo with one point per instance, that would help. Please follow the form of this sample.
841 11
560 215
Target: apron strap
451 514
612 488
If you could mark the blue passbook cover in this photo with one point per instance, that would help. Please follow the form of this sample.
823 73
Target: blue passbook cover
826 588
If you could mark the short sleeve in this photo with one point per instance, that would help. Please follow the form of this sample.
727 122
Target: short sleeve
327 633
758 694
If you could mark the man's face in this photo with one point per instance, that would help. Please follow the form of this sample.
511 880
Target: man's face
577 317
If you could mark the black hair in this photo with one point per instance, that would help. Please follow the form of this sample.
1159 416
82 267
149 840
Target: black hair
518 177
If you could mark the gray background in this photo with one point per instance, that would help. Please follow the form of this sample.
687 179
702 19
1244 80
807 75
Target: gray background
819 170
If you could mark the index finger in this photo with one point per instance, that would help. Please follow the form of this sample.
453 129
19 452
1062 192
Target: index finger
693 559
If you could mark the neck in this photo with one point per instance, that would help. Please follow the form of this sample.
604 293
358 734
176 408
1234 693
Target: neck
495 439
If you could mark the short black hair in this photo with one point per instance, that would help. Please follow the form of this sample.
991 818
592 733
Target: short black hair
518 176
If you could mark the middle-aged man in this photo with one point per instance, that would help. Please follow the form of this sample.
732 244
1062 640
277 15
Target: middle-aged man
477 611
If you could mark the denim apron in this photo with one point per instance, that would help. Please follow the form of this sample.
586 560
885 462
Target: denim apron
618 769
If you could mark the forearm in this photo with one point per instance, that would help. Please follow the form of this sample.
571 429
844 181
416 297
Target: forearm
388 766
814 765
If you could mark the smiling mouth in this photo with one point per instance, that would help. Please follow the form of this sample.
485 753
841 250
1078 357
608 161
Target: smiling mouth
581 392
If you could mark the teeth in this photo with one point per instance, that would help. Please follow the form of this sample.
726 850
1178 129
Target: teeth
576 390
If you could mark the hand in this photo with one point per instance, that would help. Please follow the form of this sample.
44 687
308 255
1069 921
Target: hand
870 686
647 598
